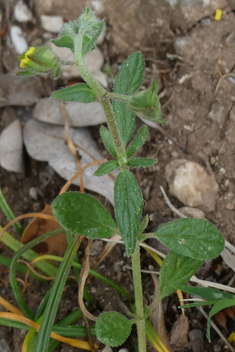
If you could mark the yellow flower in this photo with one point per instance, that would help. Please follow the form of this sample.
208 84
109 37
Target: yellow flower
26 59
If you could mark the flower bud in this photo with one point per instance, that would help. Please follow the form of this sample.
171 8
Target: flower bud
39 61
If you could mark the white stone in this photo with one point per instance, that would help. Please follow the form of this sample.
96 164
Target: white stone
191 184
94 61
22 13
11 148
18 40
52 24
193 213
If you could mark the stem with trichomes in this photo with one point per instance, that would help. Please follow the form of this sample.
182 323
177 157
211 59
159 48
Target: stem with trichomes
104 98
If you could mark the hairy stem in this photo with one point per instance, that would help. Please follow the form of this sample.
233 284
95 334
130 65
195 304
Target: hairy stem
139 299
104 100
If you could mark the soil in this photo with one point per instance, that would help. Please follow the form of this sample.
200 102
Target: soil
199 104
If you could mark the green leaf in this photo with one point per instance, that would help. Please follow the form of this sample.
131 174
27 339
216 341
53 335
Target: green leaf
106 168
146 104
176 270
194 238
64 41
57 289
197 304
108 141
81 214
225 303
127 82
91 43
113 328
146 312
144 224
210 294
80 92
24 251
138 141
141 162
128 208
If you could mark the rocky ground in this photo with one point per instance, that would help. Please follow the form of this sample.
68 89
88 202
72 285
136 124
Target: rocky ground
192 56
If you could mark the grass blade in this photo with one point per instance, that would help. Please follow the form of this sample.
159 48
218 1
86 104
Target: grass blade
9 213
17 255
55 296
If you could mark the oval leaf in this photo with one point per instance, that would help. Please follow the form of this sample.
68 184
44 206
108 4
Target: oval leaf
138 141
141 162
194 238
80 93
64 41
81 214
127 82
108 141
106 168
128 202
176 270
113 328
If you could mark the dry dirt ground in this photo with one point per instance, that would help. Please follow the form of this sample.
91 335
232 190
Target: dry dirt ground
191 63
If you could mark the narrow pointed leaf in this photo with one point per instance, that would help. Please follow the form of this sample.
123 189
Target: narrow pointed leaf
65 41
208 293
194 238
82 214
176 269
112 328
141 162
55 297
225 303
128 208
106 168
80 92
197 304
91 43
107 140
127 82
138 141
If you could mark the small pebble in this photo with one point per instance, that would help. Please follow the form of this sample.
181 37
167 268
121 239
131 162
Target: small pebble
226 183
222 171
230 206
217 348
107 349
33 193
22 13
18 40
212 160
52 24
123 350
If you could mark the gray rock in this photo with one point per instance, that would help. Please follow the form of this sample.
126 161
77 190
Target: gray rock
79 114
46 142
71 11
21 91
94 61
11 148
191 184
196 337
52 24
22 13
193 213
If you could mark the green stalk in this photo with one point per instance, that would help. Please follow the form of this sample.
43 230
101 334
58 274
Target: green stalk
9 213
140 322
103 97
